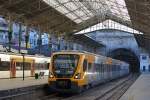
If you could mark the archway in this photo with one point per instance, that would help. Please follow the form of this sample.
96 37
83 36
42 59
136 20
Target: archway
127 56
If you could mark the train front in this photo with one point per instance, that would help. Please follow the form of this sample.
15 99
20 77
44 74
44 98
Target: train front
65 73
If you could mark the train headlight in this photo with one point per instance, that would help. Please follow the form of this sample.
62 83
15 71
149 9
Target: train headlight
51 75
77 76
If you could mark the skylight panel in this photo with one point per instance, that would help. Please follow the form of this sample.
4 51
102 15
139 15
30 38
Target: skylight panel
70 6
86 9
118 8
96 5
78 20
114 11
85 17
111 2
109 24
79 13
125 14
64 1
121 6
121 2
114 7
81 7
62 9
71 16
124 11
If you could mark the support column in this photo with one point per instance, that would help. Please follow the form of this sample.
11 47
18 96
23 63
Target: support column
20 35
39 40
10 31
27 36
12 69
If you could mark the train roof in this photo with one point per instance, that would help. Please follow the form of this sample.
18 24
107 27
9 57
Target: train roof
85 52
68 52
17 54
37 58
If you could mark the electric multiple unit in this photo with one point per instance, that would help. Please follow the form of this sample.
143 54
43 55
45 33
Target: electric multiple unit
11 65
74 71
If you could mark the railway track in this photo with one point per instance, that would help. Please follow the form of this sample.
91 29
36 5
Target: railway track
112 90
48 96
55 96
116 92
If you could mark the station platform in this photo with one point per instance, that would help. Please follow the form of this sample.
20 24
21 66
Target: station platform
19 89
6 84
140 90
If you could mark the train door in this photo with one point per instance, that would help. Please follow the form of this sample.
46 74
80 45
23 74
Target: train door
12 69
16 67
28 69
19 69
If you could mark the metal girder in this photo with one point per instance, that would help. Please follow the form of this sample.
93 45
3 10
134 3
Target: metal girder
139 11
37 12
9 3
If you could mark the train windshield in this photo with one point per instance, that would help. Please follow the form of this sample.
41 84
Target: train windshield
64 65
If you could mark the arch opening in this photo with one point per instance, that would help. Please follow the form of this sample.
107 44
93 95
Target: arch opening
127 56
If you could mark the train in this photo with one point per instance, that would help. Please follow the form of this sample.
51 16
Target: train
11 65
76 71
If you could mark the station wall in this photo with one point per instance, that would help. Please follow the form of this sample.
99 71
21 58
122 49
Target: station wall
123 43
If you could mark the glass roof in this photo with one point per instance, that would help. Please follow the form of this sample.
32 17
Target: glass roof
81 10
109 24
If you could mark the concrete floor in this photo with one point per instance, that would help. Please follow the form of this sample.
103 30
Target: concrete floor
140 90
6 84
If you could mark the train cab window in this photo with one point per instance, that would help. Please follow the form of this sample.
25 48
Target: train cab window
84 65
64 65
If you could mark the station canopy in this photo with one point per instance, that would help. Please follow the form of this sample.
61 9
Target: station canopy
109 24
82 10
65 15
71 16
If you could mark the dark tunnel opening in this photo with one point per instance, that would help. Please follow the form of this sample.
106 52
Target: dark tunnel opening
127 56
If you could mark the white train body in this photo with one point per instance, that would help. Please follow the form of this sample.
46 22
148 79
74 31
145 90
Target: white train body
11 65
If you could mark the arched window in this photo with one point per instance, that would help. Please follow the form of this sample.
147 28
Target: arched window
144 57
143 68
149 68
